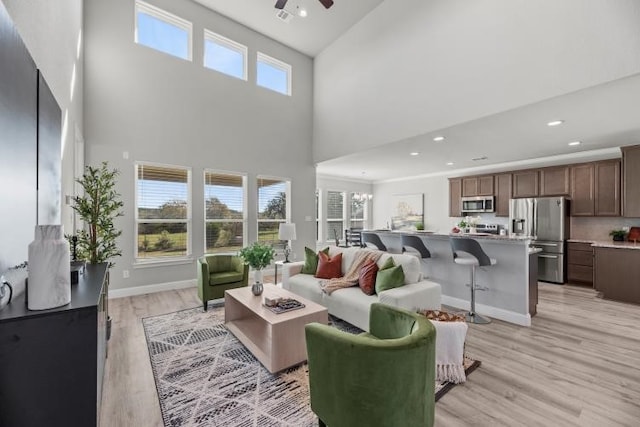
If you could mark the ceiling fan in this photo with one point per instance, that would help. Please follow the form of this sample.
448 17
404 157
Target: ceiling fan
281 3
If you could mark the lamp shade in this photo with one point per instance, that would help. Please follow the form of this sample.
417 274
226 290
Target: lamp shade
287 231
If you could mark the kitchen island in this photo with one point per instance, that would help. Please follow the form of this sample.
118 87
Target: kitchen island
512 282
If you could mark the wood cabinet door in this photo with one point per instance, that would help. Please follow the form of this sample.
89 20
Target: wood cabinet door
607 188
525 183
631 181
455 192
554 181
582 190
470 186
485 185
503 193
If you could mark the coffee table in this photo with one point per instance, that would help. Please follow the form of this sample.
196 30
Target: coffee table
276 340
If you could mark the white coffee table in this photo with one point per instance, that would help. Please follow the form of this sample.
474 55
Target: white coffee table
276 340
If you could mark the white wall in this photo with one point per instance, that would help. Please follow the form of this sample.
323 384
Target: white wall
51 30
158 108
412 66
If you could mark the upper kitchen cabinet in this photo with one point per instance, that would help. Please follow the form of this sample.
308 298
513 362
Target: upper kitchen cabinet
477 186
502 193
582 191
554 181
631 181
455 193
525 183
607 188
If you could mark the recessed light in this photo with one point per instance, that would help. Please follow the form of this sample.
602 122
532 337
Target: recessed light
450 164
575 143
555 123
415 153
302 12
438 138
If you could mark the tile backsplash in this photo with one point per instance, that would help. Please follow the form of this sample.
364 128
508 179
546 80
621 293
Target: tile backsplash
598 228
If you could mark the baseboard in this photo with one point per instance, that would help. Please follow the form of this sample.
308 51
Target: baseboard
149 289
487 310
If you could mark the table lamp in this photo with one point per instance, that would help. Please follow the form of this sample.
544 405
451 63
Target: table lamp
287 232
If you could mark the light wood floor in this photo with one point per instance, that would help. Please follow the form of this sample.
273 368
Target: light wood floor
578 365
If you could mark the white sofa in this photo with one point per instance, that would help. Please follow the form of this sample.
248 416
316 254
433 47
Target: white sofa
351 304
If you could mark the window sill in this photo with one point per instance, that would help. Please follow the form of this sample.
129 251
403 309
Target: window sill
162 262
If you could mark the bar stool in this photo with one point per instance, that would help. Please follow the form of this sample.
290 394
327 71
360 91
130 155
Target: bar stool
469 252
415 243
372 239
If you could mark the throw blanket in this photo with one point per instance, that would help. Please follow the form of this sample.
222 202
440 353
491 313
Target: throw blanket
351 277
450 338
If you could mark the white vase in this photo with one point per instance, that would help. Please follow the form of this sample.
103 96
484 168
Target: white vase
257 276
472 230
49 272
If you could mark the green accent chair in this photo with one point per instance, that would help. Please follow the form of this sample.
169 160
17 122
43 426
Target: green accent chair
384 378
217 273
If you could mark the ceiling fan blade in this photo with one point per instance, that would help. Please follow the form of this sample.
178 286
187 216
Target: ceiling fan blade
327 3
280 4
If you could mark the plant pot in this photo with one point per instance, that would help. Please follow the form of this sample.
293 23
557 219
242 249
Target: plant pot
618 238
257 288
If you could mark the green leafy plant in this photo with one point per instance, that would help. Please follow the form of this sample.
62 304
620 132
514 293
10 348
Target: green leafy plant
98 208
463 224
258 255
618 234
419 226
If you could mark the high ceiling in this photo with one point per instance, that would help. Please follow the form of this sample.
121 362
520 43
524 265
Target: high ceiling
308 35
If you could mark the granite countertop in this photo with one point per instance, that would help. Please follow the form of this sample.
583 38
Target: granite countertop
608 243
511 238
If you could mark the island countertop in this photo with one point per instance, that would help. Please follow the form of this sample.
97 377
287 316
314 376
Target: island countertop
508 282
608 244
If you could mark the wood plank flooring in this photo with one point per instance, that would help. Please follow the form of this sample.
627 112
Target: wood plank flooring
577 365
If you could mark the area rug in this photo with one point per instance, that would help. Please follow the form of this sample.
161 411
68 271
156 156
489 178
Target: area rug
206 377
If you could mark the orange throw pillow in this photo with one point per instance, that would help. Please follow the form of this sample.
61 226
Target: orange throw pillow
329 268
367 277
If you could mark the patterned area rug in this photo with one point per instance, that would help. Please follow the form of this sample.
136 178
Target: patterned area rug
206 377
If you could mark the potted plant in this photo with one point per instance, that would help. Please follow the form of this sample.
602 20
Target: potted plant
98 208
419 226
257 256
618 235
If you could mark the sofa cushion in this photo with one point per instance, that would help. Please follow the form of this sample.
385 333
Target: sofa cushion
329 268
350 304
387 264
389 278
220 263
411 266
307 287
224 278
367 277
311 260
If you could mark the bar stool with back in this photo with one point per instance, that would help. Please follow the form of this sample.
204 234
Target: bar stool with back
468 252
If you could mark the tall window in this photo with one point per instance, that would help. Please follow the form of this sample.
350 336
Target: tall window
335 215
273 74
163 211
358 210
225 207
317 215
225 55
273 208
163 31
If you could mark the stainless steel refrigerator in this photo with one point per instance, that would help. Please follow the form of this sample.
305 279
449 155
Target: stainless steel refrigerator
545 219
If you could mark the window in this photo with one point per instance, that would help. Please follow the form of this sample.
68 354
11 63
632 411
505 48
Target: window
224 55
317 215
273 74
273 208
225 207
335 215
163 211
358 211
162 31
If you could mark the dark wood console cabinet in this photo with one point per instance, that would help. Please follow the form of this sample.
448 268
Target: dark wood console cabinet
615 274
580 263
52 361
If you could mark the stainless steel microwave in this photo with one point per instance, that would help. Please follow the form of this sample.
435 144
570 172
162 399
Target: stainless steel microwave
478 204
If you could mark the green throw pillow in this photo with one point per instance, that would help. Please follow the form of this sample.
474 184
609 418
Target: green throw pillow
311 260
388 264
389 278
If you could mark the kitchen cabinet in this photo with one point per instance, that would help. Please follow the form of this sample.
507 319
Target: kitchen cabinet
477 186
455 193
53 360
615 273
503 193
525 183
582 190
631 181
485 185
554 181
607 188
580 263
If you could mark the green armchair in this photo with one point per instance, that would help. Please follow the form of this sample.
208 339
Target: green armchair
382 378
217 273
